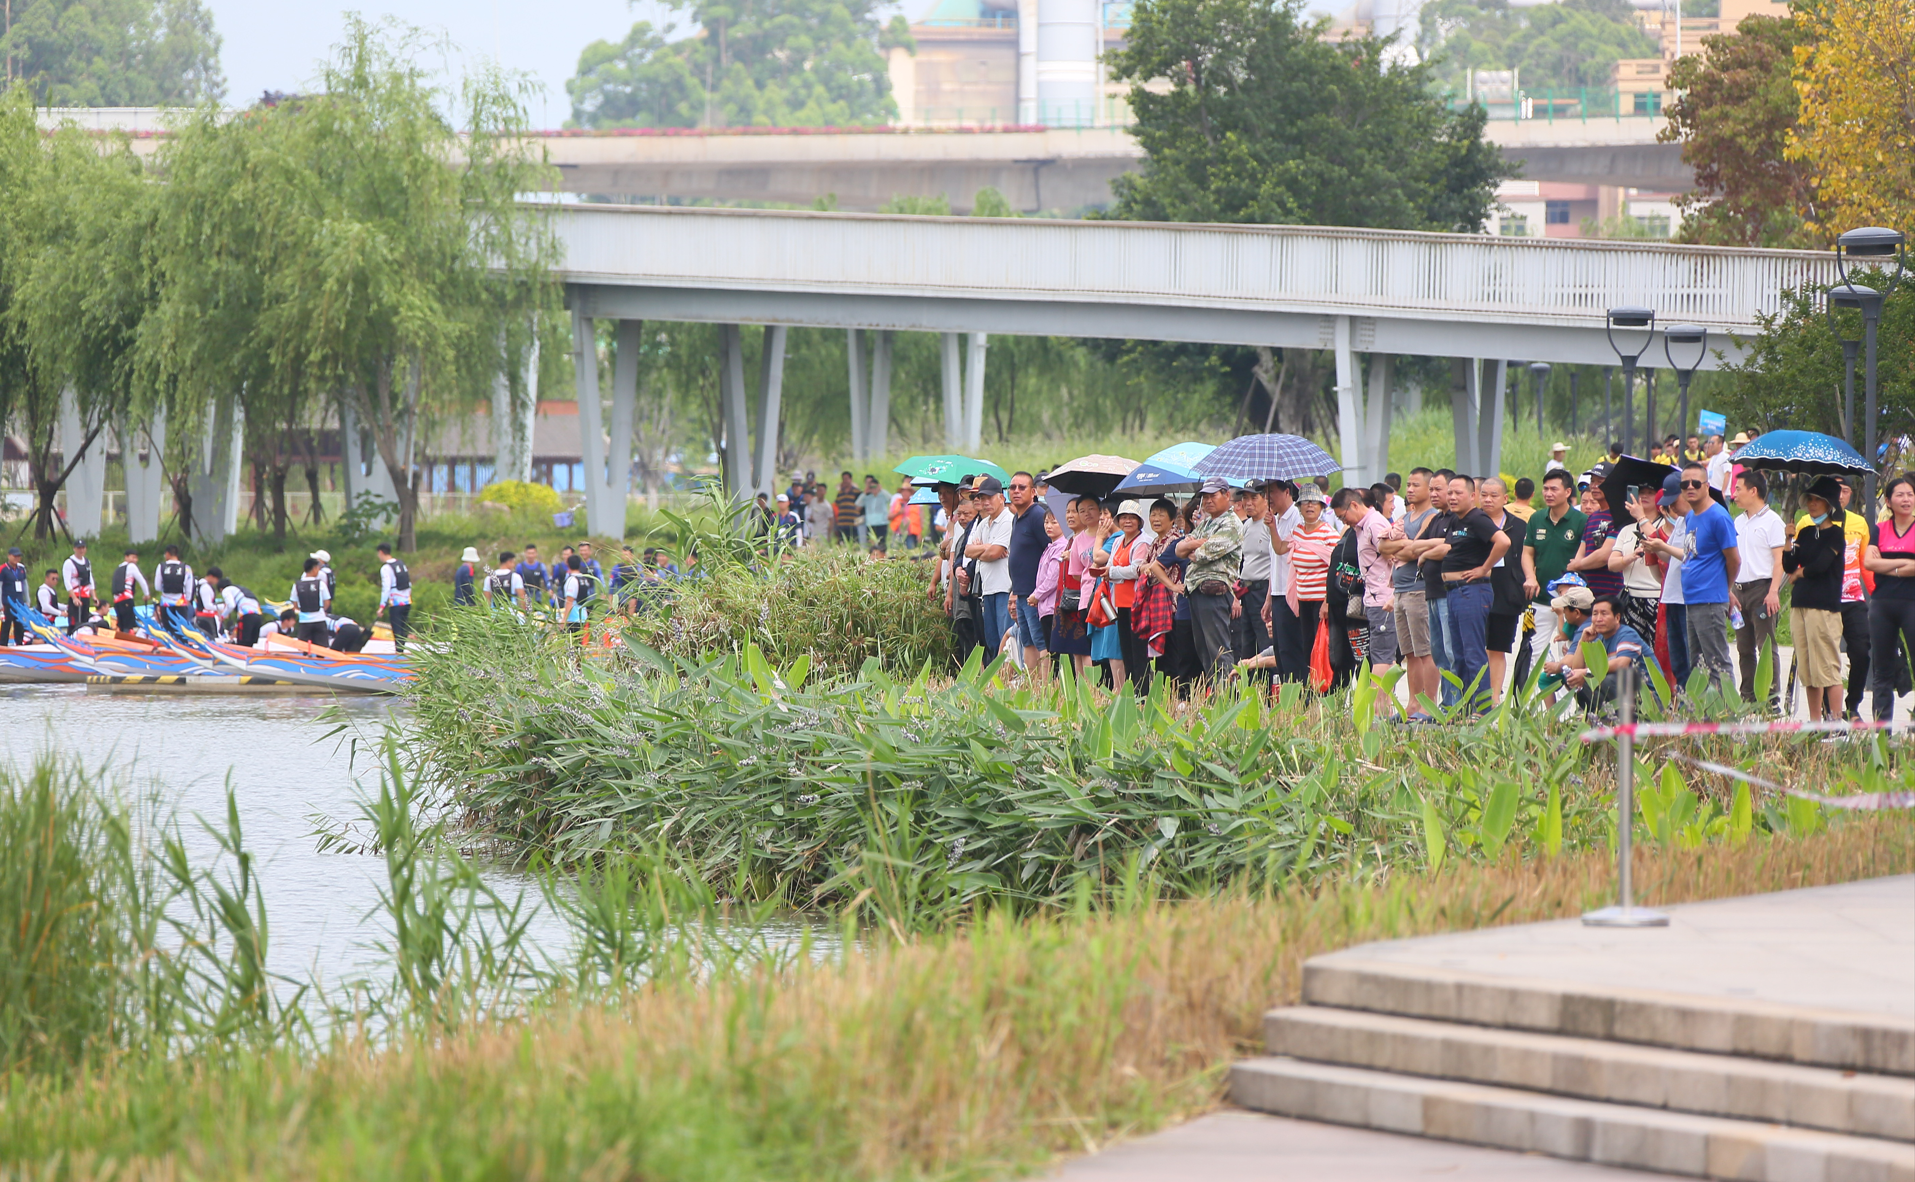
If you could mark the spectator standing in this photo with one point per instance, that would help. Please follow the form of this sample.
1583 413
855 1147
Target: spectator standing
1507 599
1550 540
1716 466
1709 565
1891 613
465 579
1130 553
1692 453
791 527
1370 527
1029 541
1042 601
1558 459
1815 617
1759 540
1435 542
1522 502
849 513
1598 540
1215 551
1474 545
1280 624
1857 583
1384 500
820 516
1179 658
1412 613
1311 544
1070 633
959 584
1639 565
1248 632
990 548
876 510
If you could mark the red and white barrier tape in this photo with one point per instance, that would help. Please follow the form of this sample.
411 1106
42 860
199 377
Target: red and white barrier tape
1670 730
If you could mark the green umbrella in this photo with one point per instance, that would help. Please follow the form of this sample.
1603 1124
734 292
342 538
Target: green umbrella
947 469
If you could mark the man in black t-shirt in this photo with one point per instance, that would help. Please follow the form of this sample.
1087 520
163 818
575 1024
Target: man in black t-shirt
1475 546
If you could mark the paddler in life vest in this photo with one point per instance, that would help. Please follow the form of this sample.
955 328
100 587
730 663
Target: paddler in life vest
346 635
13 590
126 576
49 599
206 602
310 602
577 591
283 626
395 596
77 573
174 579
505 587
243 608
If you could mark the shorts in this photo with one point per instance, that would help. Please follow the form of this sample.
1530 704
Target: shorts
1816 634
1413 623
1382 636
1029 626
1500 633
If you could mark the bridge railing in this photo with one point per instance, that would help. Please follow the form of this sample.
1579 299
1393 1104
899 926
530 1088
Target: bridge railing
1291 268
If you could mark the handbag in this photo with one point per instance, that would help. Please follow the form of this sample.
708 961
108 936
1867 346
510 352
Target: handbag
1103 612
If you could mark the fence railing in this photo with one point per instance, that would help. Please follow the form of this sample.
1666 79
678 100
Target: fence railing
1568 106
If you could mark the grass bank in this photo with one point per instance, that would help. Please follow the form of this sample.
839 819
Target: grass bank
981 1051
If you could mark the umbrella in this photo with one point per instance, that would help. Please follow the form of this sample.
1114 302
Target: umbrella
1268 457
1627 472
927 495
1148 477
1091 476
1183 456
1809 452
947 469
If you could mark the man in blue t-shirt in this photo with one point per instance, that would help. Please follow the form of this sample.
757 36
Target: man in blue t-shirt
1028 543
1625 647
1710 564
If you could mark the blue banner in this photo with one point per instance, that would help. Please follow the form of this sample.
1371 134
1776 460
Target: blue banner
1709 422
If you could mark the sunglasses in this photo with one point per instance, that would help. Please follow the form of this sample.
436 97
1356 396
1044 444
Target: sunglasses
1693 484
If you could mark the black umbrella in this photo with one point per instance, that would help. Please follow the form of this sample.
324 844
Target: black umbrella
1631 472
1091 476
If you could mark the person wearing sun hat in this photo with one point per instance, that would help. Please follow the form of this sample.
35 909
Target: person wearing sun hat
1129 556
1815 562
465 580
1215 550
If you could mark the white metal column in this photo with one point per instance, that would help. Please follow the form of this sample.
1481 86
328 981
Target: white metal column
878 421
974 392
1463 404
860 398
145 483
731 391
1349 417
952 372
86 483
1489 424
771 381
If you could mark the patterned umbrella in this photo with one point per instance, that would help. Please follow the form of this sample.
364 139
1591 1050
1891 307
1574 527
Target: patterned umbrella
1181 457
1268 457
947 469
1149 477
1091 476
1809 452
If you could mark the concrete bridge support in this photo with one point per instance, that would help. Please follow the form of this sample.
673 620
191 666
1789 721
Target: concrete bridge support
964 389
86 483
214 484
605 456
145 483
365 472
771 384
513 411
1478 403
748 471
870 391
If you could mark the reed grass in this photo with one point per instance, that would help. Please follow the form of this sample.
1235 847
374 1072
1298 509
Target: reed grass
978 1052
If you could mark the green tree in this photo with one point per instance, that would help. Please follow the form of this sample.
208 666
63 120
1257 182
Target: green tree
113 53
1733 114
1266 121
758 63
1560 47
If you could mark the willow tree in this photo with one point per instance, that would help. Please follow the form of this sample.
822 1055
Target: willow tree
72 289
360 244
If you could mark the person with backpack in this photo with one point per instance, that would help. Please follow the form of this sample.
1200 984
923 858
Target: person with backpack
176 585
395 596
310 602
206 602
13 589
505 587
125 577
77 574
576 590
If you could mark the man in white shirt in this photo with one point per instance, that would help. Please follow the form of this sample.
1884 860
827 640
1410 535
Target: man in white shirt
1249 635
1760 539
1718 465
395 596
990 546
77 575
1286 636
126 577
1558 457
505 587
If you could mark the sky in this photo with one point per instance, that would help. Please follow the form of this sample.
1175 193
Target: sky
276 46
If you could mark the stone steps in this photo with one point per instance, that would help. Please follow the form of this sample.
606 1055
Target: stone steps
1566 1127
1591 1069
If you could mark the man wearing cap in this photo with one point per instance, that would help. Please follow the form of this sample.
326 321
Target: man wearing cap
1569 611
13 589
1623 644
1249 634
327 581
1558 458
1280 623
1215 550
790 526
990 548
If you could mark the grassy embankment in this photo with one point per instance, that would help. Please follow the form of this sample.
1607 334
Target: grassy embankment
971 1052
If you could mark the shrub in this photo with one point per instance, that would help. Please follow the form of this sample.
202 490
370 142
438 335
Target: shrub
521 496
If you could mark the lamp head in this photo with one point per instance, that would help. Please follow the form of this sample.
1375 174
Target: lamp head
1630 316
1686 335
1871 242
1539 368
1852 295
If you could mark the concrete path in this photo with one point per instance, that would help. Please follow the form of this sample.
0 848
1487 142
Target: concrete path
1239 1146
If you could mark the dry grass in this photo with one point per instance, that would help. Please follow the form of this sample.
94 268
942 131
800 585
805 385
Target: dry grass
971 1054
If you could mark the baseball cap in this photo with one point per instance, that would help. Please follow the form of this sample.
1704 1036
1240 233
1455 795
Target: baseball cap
1672 484
1215 484
15 551
321 555
987 486
784 497
1580 598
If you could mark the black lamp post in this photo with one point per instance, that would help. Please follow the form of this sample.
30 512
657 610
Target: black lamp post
1870 242
1628 317
1849 295
1686 335
1539 374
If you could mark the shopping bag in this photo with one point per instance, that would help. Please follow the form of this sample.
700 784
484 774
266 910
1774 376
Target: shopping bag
1321 672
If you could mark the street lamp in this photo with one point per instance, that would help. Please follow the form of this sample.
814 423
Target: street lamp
1849 295
1539 373
1685 335
1627 317
1871 242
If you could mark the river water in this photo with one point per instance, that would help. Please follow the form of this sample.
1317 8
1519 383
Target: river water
288 778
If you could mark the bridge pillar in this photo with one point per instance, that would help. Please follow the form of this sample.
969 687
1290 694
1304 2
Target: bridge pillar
144 486
860 404
771 386
1349 415
616 485
731 392
974 392
1463 402
953 375
1376 448
214 484
1489 425
878 420
513 413
86 483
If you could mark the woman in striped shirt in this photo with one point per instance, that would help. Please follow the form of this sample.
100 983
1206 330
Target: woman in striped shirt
1310 546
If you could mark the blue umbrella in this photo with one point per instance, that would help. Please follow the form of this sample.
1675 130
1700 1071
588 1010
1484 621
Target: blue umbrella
927 494
1150 477
1182 457
1268 457
1809 452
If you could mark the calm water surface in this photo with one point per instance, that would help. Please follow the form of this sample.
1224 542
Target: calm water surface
288 778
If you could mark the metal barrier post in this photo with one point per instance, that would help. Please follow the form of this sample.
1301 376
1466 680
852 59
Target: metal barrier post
1625 914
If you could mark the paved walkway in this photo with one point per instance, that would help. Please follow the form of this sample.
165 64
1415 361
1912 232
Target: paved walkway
1847 948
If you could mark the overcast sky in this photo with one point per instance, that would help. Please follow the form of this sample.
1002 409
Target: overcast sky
275 46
